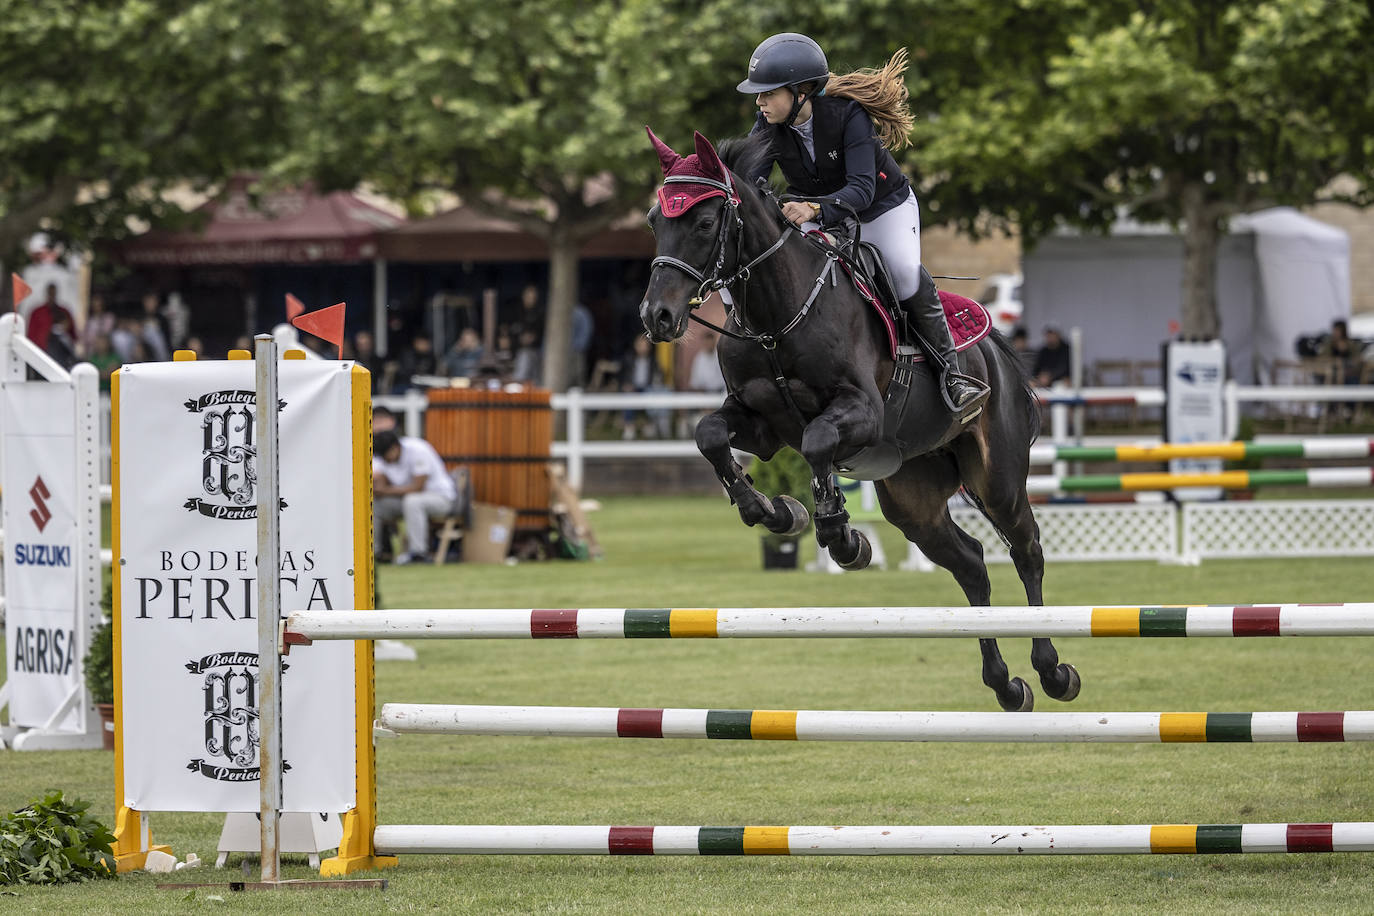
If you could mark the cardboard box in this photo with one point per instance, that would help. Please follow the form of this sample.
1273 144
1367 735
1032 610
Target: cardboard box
489 539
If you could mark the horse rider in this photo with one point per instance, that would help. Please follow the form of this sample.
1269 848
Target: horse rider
831 135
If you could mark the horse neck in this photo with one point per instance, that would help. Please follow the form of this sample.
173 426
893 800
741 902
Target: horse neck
779 285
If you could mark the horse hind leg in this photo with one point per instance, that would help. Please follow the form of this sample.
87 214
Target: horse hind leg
923 518
1016 523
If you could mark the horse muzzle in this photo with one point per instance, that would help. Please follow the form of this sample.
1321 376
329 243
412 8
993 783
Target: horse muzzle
662 322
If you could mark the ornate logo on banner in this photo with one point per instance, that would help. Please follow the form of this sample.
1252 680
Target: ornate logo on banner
40 513
228 455
231 717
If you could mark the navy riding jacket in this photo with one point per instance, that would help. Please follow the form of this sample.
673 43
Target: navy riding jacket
851 163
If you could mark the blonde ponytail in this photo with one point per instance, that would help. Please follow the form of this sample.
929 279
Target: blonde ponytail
883 94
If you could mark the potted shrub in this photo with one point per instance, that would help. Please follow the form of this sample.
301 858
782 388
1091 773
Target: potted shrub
787 473
98 668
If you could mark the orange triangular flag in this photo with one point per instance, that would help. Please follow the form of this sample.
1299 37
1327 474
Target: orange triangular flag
327 324
21 290
294 307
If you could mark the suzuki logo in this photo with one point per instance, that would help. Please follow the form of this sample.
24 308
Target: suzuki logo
40 514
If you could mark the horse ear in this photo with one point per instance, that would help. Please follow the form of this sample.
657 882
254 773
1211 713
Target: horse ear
666 157
706 155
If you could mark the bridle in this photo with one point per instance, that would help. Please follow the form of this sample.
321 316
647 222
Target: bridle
730 218
768 340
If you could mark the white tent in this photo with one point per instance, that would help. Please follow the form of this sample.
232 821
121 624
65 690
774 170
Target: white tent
1280 276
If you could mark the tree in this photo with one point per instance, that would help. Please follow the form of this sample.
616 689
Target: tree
1186 111
104 105
533 112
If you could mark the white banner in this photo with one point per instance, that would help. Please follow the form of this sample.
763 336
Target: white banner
186 528
42 661
1195 410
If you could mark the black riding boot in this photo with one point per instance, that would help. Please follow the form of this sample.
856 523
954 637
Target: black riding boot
963 395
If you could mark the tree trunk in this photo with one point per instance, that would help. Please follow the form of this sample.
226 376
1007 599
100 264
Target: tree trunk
563 292
1201 235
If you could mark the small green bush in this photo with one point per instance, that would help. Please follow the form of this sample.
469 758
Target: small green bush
786 472
99 664
53 841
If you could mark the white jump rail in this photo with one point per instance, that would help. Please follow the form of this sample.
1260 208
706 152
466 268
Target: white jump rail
864 725
1355 619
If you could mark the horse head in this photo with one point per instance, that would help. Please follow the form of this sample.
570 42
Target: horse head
697 228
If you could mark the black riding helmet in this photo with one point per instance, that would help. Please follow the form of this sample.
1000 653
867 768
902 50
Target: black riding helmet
786 59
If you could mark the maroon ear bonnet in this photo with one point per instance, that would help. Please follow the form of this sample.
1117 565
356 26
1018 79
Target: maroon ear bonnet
676 198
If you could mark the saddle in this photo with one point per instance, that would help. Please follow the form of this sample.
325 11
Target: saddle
915 420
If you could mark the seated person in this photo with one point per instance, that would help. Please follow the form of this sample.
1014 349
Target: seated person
1053 362
409 481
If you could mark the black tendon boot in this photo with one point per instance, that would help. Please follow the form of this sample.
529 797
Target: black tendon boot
965 396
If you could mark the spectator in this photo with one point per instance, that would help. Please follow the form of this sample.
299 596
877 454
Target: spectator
47 315
100 322
410 482
1020 342
153 329
1340 349
124 338
383 420
195 345
583 330
640 371
103 356
503 357
529 358
706 375
365 355
465 356
530 315
62 340
1053 361
417 359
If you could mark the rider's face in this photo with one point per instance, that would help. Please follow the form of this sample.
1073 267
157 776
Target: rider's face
776 104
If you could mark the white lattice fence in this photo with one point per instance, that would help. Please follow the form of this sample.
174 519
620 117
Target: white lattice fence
1279 528
1117 531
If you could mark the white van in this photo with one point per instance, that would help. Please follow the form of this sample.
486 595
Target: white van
1002 298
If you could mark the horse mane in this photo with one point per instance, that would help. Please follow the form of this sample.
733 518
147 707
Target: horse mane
743 155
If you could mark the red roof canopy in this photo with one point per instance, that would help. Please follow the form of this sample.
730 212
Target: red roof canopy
292 226
464 234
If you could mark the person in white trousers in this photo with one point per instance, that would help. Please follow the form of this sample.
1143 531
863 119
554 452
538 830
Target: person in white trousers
409 482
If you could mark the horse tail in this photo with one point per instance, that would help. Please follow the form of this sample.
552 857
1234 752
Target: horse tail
1011 363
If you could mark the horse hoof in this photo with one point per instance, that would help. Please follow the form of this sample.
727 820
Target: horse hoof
790 513
1027 702
863 552
1072 686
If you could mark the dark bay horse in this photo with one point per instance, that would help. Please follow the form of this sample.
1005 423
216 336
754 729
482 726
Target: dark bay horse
807 365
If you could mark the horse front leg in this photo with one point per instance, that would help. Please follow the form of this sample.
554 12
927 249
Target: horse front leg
854 420
734 425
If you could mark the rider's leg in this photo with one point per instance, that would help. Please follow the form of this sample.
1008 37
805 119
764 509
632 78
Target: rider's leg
924 310
897 234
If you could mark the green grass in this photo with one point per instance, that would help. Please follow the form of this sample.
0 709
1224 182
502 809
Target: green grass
693 552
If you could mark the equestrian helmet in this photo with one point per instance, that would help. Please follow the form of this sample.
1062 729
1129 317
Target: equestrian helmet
785 59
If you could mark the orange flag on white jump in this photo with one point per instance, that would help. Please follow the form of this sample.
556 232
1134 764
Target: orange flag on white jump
327 324
21 290
294 308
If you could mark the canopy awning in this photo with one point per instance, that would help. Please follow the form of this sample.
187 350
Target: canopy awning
464 234
292 226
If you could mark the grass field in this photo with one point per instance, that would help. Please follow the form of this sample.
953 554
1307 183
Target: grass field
692 552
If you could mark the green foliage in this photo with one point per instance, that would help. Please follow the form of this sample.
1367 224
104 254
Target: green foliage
105 105
98 665
53 841
785 473
533 112
1062 111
